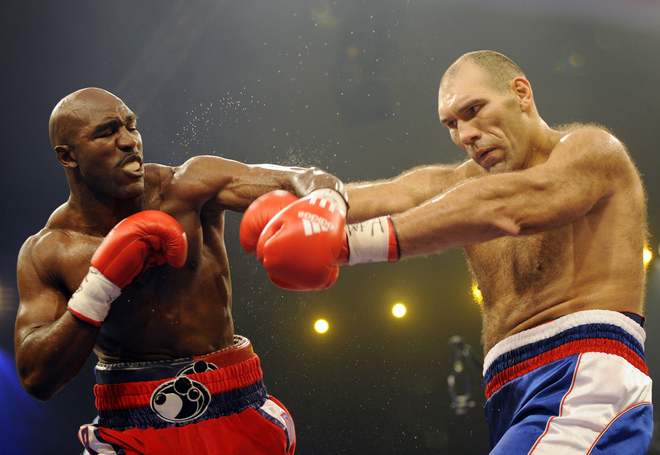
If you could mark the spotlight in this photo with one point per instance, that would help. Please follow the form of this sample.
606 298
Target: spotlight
399 310
321 326
647 256
477 296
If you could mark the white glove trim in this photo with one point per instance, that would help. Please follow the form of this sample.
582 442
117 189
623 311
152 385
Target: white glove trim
91 302
369 241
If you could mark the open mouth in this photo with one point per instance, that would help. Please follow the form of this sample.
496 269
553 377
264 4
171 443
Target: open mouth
132 166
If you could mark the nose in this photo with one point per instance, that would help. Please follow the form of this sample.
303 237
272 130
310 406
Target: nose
467 133
127 141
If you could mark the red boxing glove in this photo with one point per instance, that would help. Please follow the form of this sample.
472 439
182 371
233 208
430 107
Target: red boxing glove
300 246
141 240
259 213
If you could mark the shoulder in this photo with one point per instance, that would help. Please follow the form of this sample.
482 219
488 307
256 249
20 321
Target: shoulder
593 149
157 176
593 145
41 252
594 140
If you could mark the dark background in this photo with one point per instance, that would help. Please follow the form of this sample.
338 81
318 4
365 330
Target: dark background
349 86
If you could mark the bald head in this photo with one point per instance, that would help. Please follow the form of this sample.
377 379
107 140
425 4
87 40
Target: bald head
75 111
501 69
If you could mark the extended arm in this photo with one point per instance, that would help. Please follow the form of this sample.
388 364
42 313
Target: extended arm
234 185
586 167
408 190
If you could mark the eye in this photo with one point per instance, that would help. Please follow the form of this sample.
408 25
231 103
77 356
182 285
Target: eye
107 130
451 124
472 110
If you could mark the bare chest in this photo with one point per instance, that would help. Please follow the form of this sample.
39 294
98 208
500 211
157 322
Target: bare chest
513 266
165 311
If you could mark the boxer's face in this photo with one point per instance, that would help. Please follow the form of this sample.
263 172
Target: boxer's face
108 148
487 123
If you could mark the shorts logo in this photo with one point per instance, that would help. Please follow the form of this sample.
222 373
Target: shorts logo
182 399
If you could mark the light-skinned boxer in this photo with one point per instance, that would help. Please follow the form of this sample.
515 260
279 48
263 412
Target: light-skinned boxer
553 222
133 266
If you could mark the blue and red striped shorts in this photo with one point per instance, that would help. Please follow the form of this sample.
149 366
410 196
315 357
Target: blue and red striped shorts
213 404
576 385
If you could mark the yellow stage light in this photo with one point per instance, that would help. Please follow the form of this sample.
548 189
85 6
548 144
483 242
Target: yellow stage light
321 326
647 256
399 310
477 296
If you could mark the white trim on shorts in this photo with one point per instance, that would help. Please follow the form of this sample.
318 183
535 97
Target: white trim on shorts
569 321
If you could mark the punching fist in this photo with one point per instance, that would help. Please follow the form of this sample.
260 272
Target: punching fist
301 245
141 240
259 213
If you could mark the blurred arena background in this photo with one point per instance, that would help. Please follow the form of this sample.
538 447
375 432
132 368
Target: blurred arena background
349 86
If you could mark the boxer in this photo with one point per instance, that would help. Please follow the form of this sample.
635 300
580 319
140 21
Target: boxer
553 221
133 266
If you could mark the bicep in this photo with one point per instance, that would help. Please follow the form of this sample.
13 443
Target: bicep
230 184
40 301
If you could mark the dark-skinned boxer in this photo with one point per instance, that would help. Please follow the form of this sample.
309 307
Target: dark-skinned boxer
137 256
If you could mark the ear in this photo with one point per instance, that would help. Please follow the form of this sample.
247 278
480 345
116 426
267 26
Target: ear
65 156
523 90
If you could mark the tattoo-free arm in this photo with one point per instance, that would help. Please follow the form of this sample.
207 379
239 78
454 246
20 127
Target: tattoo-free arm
234 185
403 192
584 168
51 345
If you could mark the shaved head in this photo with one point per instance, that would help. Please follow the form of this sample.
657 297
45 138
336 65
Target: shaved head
500 68
74 111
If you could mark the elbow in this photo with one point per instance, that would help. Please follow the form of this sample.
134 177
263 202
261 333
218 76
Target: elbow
39 388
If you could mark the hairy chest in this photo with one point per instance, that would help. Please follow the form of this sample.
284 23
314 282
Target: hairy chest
512 266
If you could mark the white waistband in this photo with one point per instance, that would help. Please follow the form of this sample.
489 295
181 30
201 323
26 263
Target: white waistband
569 321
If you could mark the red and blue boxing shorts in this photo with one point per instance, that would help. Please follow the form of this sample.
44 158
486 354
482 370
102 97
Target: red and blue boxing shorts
212 404
576 385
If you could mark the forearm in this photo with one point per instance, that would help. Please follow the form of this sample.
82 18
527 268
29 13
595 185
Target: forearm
51 355
480 210
401 193
372 199
252 181
438 225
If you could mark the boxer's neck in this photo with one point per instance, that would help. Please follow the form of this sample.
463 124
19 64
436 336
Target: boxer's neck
96 213
542 141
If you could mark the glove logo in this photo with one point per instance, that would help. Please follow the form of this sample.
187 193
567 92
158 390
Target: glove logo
314 224
182 399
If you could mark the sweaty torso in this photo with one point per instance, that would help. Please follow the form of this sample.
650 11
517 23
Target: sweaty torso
165 313
593 263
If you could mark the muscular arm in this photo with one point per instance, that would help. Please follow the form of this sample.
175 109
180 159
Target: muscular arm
410 189
51 345
586 167
234 185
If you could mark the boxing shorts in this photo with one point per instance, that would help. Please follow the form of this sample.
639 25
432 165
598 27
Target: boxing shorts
210 404
576 385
